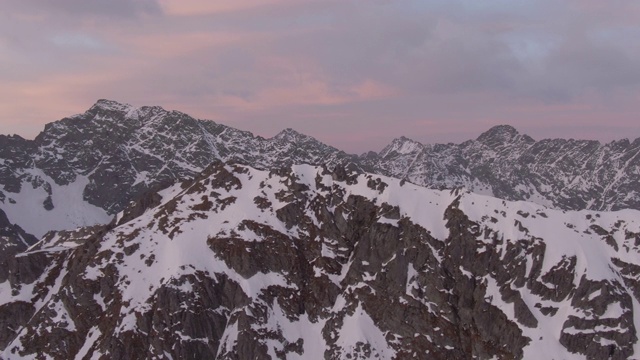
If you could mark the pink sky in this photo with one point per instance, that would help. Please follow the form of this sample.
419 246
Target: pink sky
354 74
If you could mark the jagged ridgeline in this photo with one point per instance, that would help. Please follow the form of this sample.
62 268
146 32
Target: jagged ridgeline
203 241
308 263
83 169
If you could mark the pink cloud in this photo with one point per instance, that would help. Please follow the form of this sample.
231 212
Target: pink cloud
372 90
207 7
308 92
353 73
179 44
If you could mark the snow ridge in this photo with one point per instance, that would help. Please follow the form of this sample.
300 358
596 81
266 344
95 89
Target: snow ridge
306 262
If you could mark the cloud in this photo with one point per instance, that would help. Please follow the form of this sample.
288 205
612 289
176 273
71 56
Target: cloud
77 40
84 8
207 7
438 70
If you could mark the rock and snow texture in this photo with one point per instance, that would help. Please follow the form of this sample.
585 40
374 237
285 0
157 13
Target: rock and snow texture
564 174
83 169
307 263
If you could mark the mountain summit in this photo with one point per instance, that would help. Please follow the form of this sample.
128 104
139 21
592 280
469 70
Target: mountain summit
502 134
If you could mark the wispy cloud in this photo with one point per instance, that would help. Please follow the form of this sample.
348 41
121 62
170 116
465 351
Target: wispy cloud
435 70
77 41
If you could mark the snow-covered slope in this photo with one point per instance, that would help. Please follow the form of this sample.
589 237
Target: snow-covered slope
308 263
83 169
565 174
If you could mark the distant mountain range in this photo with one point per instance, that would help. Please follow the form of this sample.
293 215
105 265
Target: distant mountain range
564 174
141 233
83 169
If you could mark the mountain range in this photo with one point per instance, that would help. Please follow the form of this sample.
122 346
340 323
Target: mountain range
308 263
83 169
132 232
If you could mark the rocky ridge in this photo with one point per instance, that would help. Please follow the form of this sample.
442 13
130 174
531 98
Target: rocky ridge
83 169
564 174
305 262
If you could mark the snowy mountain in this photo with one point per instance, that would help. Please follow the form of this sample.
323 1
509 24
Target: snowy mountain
84 169
564 174
304 262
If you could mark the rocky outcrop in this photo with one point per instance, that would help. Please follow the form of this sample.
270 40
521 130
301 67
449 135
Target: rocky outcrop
14 240
307 262
565 174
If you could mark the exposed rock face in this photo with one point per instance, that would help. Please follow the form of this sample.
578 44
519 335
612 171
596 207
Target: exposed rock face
303 262
114 153
13 240
312 262
83 169
565 174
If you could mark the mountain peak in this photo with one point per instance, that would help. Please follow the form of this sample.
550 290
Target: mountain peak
505 131
401 146
288 131
502 134
289 134
105 104
108 108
